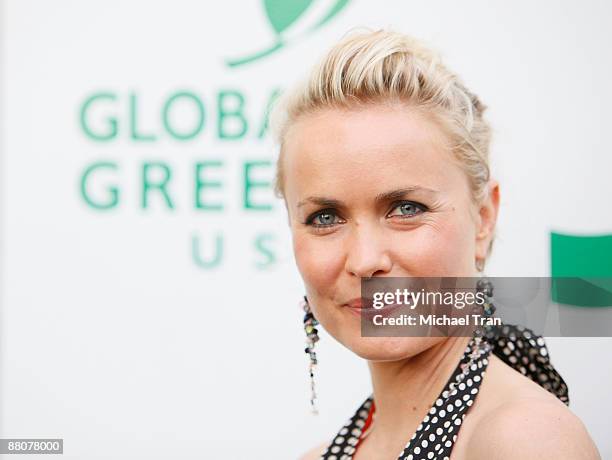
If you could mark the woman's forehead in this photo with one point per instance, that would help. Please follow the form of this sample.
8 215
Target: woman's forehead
334 149
370 126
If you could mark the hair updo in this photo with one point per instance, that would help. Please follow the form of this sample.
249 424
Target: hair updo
384 66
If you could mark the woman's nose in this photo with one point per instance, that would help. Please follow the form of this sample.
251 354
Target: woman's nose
367 252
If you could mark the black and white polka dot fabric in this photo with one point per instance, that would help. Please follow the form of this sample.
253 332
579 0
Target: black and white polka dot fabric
526 352
434 438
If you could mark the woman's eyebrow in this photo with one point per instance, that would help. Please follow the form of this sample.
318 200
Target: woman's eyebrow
321 201
380 198
402 192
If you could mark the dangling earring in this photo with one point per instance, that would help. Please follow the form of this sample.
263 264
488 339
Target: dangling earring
479 345
312 337
485 286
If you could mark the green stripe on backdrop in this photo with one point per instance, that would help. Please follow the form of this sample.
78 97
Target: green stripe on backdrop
581 269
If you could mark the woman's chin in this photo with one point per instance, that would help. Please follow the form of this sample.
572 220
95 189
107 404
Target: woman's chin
390 348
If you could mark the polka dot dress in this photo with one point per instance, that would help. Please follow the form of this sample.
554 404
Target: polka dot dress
435 437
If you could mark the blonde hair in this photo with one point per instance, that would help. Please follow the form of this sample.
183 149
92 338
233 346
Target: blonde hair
370 67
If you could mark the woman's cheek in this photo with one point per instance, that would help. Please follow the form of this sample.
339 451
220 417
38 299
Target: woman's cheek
433 250
319 268
452 248
317 262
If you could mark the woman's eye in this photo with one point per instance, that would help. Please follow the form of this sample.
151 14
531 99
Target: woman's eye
323 219
409 209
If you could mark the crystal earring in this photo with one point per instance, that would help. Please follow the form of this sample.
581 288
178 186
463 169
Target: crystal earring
311 338
485 286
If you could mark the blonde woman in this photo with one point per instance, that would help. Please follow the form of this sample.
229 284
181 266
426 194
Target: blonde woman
384 171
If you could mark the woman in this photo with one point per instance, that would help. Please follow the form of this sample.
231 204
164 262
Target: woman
384 172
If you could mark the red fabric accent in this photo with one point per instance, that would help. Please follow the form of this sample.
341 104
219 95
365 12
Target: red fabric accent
368 422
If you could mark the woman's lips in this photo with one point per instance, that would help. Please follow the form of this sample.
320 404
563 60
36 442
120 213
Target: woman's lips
359 302
366 310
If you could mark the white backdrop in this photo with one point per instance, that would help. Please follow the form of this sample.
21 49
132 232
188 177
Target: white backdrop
114 337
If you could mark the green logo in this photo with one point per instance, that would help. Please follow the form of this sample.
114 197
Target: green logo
581 269
283 14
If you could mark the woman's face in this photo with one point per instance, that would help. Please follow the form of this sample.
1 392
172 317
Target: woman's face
375 192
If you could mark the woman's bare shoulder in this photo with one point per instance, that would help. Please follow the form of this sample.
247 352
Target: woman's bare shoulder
316 452
514 417
531 428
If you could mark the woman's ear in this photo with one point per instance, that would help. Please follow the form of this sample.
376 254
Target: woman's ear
488 218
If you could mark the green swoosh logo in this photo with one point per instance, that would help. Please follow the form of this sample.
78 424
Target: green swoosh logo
282 14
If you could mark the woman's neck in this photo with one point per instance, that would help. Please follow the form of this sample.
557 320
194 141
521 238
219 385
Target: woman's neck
404 390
